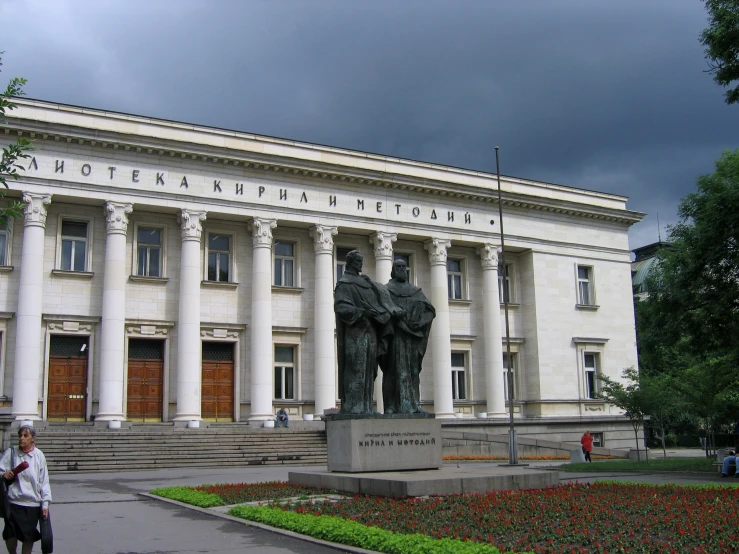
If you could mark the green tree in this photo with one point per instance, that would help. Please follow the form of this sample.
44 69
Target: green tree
721 39
13 153
661 403
629 397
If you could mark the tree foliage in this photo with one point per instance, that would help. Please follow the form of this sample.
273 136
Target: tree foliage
629 397
721 39
689 323
13 153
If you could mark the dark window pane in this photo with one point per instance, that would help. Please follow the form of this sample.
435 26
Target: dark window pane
339 272
79 255
457 287
582 272
211 266
457 359
462 394
449 286
341 254
284 354
289 383
591 384
289 282
223 268
284 248
67 255
154 262
590 361
142 261
219 242
74 229
3 249
278 272
454 265
278 382
149 236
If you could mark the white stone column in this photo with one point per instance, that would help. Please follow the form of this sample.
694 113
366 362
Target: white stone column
441 349
324 321
27 370
383 245
189 350
494 391
261 321
114 313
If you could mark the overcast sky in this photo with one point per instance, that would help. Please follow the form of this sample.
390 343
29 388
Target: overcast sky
604 95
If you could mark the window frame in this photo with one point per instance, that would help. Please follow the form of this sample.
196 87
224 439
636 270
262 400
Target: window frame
514 371
7 232
590 376
510 278
296 262
337 262
465 371
163 255
231 249
590 282
293 366
60 238
462 273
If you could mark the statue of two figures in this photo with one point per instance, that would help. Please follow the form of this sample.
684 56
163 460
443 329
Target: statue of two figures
380 325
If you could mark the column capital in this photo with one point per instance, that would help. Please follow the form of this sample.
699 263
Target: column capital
191 227
437 250
489 256
262 231
116 217
383 244
35 211
323 238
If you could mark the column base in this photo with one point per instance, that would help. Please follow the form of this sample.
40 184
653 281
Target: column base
445 415
497 415
110 417
19 416
260 417
187 417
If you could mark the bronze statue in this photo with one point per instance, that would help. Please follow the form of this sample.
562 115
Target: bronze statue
407 337
362 311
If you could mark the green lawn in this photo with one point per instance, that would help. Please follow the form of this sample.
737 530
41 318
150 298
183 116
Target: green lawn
701 465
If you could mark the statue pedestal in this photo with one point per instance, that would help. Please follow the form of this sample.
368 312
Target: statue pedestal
383 443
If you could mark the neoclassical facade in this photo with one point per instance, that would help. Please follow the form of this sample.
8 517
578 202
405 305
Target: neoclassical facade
172 272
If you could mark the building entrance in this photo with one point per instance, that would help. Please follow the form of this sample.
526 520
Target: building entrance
218 381
145 378
67 378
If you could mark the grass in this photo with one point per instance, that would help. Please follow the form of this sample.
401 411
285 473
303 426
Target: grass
698 465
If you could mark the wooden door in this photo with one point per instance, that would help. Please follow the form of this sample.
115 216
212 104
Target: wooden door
218 390
144 390
144 398
67 388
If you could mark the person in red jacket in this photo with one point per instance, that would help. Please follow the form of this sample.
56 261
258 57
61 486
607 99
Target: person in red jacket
587 445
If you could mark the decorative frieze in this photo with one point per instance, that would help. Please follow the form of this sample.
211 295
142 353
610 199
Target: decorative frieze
437 249
262 231
35 211
382 243
323 238
191 224
116 217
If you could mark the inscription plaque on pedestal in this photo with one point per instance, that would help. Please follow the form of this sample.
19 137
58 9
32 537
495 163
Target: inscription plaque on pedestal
383 444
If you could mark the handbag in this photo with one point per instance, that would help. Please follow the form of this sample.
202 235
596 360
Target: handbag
47 534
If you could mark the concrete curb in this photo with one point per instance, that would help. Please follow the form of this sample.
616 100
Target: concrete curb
292 534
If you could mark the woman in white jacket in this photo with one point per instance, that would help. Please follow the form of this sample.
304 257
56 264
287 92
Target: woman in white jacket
29 493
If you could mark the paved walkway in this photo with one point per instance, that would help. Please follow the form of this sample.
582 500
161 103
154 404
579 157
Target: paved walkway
102 513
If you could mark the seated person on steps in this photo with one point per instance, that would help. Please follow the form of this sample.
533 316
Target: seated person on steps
283 418
729 461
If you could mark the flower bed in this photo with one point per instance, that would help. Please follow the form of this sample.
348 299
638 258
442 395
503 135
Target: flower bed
252 492
573 518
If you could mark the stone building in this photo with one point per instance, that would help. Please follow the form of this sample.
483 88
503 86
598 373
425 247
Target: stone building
173 272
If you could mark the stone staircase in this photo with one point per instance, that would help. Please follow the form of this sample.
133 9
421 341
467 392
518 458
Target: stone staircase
84 447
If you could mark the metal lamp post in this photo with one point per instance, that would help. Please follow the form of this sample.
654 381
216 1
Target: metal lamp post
512 439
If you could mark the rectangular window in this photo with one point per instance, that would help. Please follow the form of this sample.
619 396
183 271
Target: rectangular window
504 283
284 372
598 440
149 252
219 258
585 285
454 278
506 380
284 264
74 245
407 259
590 364
340 261
459 382
4 243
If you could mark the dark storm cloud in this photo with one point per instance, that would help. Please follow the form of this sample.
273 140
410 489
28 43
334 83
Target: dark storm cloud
609 96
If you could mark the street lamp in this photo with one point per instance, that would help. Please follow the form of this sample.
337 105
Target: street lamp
512 439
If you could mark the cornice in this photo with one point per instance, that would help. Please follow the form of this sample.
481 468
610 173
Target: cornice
322 172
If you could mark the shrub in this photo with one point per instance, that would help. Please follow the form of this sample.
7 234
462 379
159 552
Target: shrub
189 496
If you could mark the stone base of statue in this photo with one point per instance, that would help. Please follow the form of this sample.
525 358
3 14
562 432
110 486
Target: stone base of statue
398 442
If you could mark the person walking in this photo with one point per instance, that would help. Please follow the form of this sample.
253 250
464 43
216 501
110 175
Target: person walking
587 445
702 437
27 480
